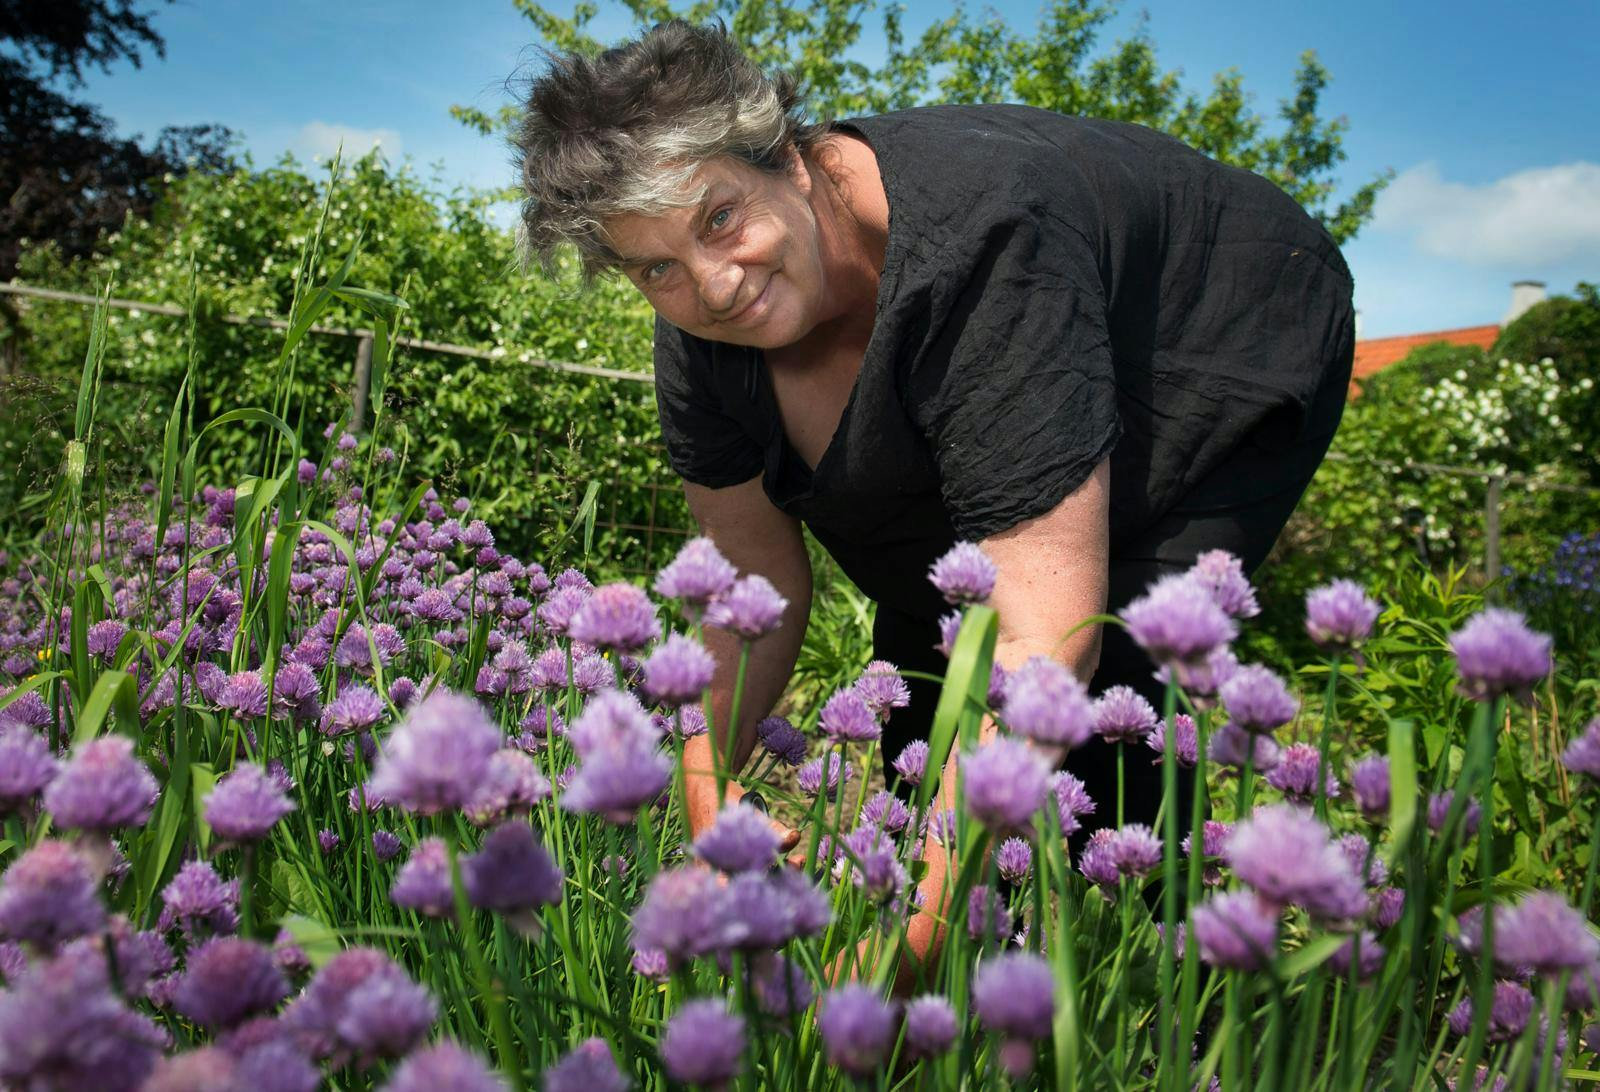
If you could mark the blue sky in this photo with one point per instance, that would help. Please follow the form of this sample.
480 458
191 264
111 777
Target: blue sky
1485 111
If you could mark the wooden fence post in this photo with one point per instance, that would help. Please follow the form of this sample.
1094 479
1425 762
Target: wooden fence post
358 393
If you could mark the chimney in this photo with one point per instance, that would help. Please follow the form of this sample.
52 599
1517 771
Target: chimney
1358 324
1524 294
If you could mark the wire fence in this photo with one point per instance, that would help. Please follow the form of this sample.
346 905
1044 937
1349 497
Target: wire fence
619 504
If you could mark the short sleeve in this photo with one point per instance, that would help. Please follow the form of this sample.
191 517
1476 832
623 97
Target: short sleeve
704 444
1017 395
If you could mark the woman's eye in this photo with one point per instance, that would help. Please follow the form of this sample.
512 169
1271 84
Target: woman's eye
656 271
720 218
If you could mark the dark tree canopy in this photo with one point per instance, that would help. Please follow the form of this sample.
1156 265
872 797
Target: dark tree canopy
65 174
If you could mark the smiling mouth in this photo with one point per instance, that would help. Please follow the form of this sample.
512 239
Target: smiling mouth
747 308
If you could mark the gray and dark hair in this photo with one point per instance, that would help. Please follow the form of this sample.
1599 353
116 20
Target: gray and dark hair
623 132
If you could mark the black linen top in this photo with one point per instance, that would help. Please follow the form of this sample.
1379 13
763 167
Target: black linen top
1055 290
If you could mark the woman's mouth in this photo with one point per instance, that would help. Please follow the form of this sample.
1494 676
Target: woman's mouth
754 309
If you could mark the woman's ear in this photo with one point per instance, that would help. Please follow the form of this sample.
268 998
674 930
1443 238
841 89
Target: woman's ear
799 171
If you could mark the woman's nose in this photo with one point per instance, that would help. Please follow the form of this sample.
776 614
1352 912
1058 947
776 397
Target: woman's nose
719 285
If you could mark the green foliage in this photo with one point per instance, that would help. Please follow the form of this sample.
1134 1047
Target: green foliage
1566 329
962 59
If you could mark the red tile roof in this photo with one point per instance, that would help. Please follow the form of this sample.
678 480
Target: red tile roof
1375 354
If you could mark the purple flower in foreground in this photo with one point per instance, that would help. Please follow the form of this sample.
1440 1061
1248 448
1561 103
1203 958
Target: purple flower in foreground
1369 784
1178 620
1231 745
872 859
423 882
678 671
1583 753
810 776
1339 616
246 804
615 616
1072 801
227 979
103 786
846 718
438 755
963 575
1508 1013
104 637
987 915
782 988
62 1027
244 695
1136 850
883 688
1296 774
1187 739
741 840
26 765
1014 994
1121 715
858 1028
1045 702
751 609
622 766
1098 859
444 1065
912 762
1257 699
1004 784
1545 933
511 873
680 914
386 1015
1014 859
703 1043
783 739
356 709
697 575
1222 574
1286 856
886 811
1496 653
200 901
296 693
48 896
930 1026
1236 931
588 1067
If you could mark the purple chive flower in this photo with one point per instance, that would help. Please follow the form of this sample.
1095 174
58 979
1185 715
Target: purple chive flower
514 787
1496 653
385 846
444 1065
1367 864
1388 905
703 1043
1583 753
26 765
588 1067
1257 699
963 575
931 1027
615 616
48 896
423 882
912 762
1178 620
751 609
1369 784
357 709
227 979
652 964
873 862
1214 834
438 755
1184 731
678 671
1014 995
949 630
741 840
622 766
858 1028
783 739
883 688
1583 989
758 915
1231 745
104 637
886 811
1508 1013
1222 574
782 988
1098 859
246 804
1072 801
1122 715
1369 959
1236 931
1136 850
511 873
1545 933
296 693
559 607
199 901
1339 616
1286 856
29 709
680 915
697 575
244 695
987 915
846 718
1046 702
1296 774
103 786
1439 810
1014 859
386 1015
63 1027
810 776
1004 784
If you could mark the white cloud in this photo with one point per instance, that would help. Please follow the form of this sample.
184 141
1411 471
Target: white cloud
1531 218
319 138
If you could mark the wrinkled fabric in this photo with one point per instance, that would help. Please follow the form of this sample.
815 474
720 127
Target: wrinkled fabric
1055 290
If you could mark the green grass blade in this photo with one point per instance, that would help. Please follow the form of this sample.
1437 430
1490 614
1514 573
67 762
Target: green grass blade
966 680
113 690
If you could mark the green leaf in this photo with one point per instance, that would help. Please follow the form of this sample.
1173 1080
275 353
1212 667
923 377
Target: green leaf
114 689
203 778
1403 790
319 941
966 681
1313 954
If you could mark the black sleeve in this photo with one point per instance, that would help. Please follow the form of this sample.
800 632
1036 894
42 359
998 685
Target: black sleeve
704 445
1017 396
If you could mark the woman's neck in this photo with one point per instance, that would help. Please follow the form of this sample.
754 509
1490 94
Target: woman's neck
853 218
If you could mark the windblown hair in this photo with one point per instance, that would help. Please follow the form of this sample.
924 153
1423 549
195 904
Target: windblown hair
623 132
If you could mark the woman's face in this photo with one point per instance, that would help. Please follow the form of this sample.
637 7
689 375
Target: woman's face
742 267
